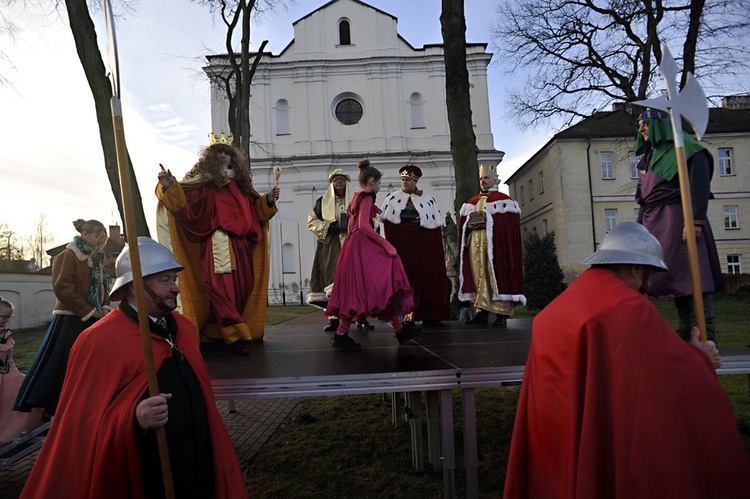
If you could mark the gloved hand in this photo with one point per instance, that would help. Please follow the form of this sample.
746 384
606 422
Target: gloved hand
333 229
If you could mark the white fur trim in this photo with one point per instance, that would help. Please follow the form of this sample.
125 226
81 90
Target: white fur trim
430 216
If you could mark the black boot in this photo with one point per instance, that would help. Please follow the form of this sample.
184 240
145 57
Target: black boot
364 325
501 321
333 325
344 342
237 348
480 318
407 332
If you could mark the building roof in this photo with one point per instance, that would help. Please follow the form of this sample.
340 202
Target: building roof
621 123
334 1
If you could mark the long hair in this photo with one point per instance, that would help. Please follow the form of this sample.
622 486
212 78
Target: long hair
210 169
366 172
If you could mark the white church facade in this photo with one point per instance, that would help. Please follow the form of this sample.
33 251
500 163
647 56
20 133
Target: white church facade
348 87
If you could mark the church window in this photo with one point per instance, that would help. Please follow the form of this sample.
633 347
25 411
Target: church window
282 117
345 37
417 110
348 111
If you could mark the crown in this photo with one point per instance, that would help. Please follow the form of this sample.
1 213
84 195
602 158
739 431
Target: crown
486 171
222 139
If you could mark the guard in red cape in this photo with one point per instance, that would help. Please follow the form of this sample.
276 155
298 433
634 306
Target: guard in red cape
102 443
613 403
413 225
491 264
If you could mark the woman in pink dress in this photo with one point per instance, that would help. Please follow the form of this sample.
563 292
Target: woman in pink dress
12 423
370 280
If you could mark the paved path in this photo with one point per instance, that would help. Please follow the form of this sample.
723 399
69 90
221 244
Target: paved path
250 426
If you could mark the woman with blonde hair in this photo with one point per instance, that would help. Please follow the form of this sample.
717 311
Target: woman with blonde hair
81 286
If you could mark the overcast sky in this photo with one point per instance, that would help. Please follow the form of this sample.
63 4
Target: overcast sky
51 160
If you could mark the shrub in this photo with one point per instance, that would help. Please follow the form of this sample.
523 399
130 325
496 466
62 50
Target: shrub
543 277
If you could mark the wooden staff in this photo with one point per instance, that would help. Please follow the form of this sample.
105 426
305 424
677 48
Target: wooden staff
130 230
691 104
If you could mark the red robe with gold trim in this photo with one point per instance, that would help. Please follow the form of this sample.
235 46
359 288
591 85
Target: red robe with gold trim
504 247
91 450
614 404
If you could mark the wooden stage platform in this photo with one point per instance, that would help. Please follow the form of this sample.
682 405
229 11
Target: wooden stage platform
296 359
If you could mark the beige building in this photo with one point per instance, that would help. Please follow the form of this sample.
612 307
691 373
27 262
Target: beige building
346 88
582 183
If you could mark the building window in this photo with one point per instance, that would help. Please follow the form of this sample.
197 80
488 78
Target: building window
734 264
730 217
531 190
545 229
610 219
348 111
634 160
541 182
608 167
635 214
288 259
345 37
282 117
523 196
725 162
417 110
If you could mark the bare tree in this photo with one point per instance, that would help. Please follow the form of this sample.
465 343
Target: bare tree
238 74
578 55
458 101
9 250
7 31
84 35
37 242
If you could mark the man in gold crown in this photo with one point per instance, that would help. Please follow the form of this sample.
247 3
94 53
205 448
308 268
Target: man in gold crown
328 221
217 224
491 264
413 225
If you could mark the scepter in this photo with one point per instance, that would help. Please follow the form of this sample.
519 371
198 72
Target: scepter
135 255
691 104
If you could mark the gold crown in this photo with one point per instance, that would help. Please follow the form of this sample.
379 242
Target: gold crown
486 171
222 139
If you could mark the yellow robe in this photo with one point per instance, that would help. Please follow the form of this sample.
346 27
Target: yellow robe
195 305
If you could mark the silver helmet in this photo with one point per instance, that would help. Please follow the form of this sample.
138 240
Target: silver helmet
629 243
155 258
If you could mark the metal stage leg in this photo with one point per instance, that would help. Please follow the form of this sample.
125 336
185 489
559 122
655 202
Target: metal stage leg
415 414
470 442
231 406
397 409
447 445
433 430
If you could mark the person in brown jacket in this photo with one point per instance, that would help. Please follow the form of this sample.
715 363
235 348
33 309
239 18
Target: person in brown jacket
81 286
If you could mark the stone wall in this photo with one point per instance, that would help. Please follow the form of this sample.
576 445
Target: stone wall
31 296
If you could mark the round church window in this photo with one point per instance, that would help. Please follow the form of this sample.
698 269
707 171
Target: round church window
348 111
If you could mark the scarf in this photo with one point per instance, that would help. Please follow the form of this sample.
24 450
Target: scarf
100 280
661 144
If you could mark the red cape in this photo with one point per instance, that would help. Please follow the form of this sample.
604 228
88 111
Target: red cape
91 450
421 252
506 247
614 404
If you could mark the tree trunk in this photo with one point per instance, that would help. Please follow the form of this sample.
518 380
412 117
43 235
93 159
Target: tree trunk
84 35
691 40
463 141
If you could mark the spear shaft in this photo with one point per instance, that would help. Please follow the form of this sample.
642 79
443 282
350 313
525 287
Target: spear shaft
135 254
